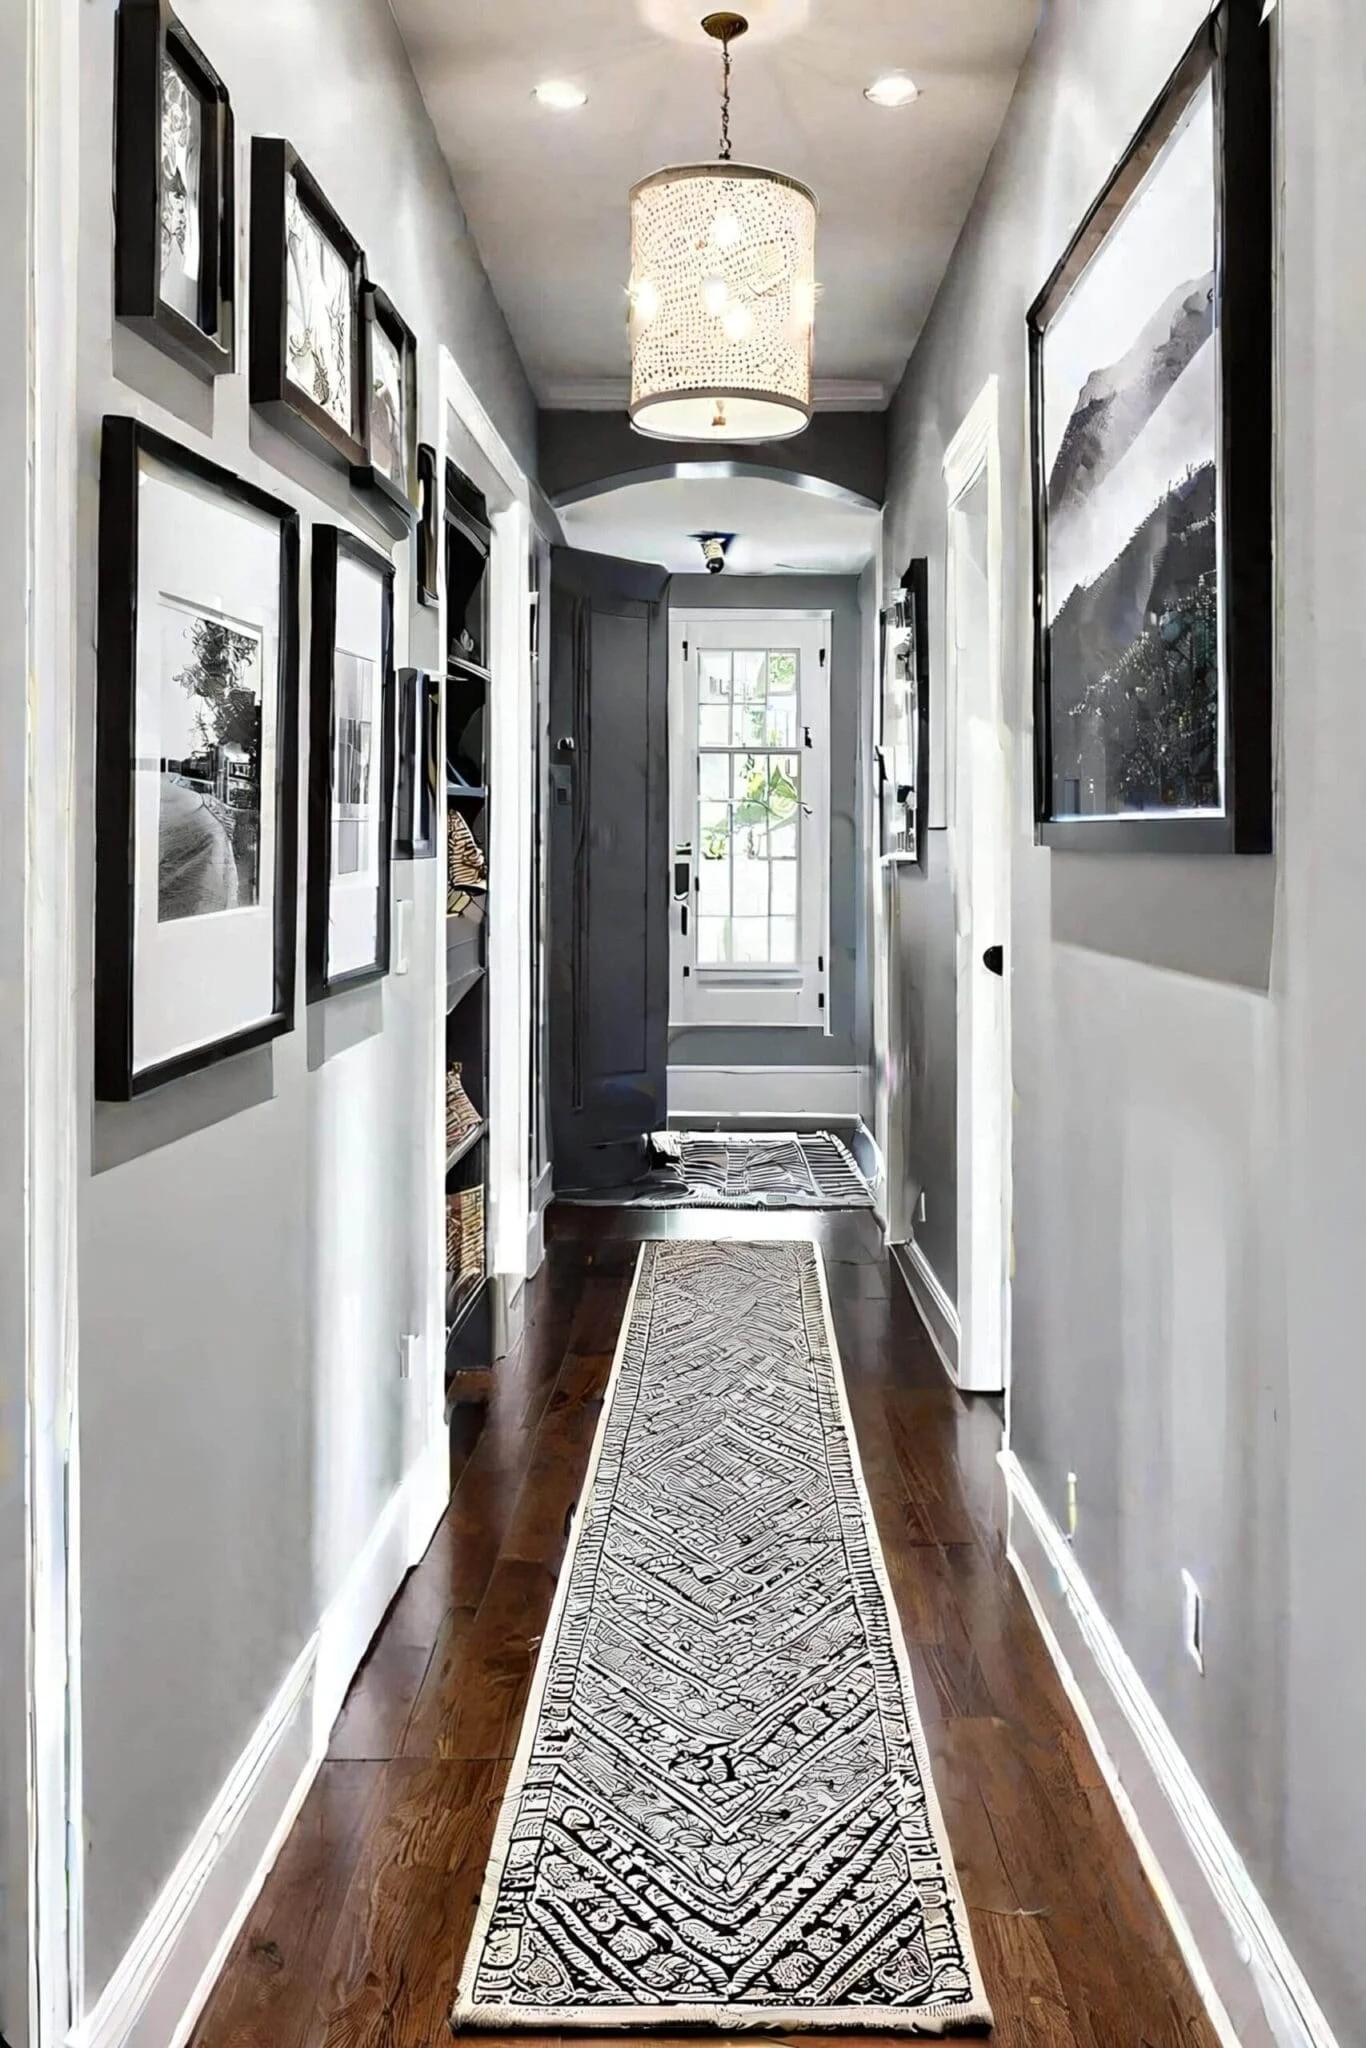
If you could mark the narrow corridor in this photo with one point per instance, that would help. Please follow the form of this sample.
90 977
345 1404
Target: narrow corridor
357 1938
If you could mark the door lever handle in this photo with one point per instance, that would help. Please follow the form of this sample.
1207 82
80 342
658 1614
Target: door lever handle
994 959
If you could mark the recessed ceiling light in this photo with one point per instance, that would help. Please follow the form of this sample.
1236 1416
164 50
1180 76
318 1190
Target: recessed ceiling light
895 90
560 94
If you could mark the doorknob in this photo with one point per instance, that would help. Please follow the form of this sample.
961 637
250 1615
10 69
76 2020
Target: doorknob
995 959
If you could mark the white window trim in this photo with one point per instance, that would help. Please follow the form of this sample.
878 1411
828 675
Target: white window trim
743 997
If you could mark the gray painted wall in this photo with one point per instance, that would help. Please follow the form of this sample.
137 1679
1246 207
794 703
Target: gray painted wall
249 1239
1190 1129
582 448
850 1023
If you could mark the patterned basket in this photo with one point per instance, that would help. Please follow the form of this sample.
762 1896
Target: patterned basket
465 862
465 1233
461 1115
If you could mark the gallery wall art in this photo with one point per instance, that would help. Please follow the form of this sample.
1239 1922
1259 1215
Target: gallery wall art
307 340
389 475
1151 350
197 744
428 529
174 192
419 765
351 763
904 741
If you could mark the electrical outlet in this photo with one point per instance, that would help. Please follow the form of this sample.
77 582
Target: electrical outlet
1193 1621
407 1353
1071 1506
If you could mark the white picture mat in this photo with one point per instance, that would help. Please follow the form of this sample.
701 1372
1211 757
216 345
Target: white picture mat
353 900
199 979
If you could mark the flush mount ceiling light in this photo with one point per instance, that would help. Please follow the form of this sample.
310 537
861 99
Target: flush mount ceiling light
560 94
895 90
722 293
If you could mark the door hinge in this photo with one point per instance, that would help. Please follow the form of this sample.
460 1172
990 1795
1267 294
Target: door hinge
824 652
820 1000
685 647
820 963
686 972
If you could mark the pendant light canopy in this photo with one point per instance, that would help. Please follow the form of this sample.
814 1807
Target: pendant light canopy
723 294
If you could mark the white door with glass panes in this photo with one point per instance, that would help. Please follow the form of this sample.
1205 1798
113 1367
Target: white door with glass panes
749 696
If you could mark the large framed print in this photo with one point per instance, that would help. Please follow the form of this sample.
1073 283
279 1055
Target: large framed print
197 755
175 234
351 763
419 765
389 474
904 741
307 337
1151 352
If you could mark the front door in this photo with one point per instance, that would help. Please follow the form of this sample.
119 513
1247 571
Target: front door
608 862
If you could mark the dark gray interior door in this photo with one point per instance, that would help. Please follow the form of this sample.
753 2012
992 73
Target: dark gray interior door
609 866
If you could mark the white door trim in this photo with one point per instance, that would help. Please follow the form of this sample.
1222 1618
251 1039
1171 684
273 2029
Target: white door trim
984 1087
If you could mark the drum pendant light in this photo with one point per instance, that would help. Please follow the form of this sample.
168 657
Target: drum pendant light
722 293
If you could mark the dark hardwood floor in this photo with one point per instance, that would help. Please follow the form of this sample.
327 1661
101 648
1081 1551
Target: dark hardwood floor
359 1933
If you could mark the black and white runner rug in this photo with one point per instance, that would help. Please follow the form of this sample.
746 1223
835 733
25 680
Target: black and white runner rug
744 1170
721 1811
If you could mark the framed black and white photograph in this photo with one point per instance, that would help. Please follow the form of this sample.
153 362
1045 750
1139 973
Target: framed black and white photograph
419 764
307 323
904 743
428 529
1151 352
197 744
389 475
174 185
351 763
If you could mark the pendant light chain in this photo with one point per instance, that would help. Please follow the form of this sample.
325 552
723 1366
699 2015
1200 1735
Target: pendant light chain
725 101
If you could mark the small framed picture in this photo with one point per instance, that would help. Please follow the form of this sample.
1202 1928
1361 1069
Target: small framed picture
174 214
904 746
389 473
351 763
1152 359
419 764
307 334
428 529
197 751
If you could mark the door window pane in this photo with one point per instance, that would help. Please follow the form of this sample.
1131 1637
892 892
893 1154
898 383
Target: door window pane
747 736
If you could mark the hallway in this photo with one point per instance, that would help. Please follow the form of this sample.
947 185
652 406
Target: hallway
357 1936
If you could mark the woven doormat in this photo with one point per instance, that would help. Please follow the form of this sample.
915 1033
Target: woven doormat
721 1812
730 1170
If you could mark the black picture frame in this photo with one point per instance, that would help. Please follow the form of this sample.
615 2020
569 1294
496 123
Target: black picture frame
395 506
428 529
148 36
331 546
1233 50
273 390
417 806
907 615
125 444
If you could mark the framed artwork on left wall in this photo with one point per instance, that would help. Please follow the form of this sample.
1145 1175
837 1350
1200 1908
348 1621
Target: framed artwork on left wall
351 763
389 474
196 769
306 333
175 232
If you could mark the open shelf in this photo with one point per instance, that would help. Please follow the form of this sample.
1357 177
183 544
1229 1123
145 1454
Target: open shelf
458 988
465 792
467 1145
460 667
464 1292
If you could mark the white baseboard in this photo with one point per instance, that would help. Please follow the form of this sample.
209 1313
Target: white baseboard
1255 1992
765 1091
162 1983
938 1311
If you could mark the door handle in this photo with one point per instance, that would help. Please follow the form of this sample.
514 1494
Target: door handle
994 959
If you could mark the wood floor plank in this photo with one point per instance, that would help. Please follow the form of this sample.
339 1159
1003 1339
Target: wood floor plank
357 1938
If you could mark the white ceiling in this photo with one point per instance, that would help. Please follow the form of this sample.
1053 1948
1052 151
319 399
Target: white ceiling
776 526
546 192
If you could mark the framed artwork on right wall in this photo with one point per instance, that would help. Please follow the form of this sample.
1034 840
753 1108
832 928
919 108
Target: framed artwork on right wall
904 739
1151 385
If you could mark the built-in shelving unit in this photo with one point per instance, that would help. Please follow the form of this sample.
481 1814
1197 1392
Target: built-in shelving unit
469 1331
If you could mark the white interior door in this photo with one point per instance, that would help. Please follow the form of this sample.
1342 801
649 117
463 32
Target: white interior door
980 796
749 763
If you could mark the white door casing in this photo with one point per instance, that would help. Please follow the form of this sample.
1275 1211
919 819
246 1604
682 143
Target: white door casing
788 988
978 789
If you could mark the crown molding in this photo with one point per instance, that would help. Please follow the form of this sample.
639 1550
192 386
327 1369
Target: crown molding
612 394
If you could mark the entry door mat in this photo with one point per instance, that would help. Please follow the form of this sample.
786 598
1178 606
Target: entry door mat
721 1813
735 1170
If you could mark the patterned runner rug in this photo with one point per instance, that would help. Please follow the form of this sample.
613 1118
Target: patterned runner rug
737 1170
721 1811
